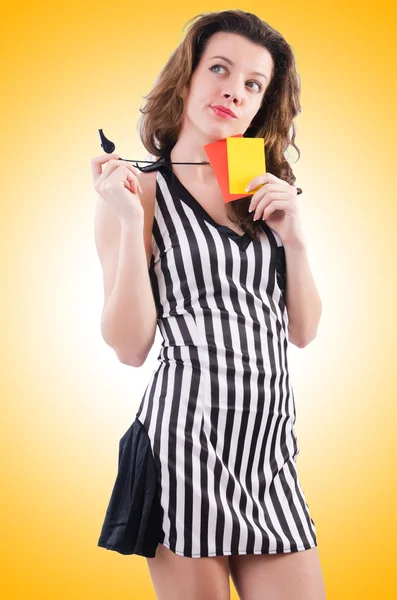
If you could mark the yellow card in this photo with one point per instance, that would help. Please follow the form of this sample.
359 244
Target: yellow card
246 160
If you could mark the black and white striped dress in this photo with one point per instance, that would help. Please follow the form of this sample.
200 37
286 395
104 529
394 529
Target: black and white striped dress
208 467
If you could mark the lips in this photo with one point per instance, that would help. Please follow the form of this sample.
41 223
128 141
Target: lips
222 111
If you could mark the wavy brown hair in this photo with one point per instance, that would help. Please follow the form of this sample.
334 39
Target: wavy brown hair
162 115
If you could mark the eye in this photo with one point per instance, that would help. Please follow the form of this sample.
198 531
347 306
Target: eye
258 84
222 67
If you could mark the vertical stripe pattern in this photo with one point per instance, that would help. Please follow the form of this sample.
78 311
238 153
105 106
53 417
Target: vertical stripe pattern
219 409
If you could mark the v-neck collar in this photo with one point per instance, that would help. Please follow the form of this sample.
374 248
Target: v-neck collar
242 241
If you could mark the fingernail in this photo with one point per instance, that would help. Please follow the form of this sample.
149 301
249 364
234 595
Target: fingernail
247 189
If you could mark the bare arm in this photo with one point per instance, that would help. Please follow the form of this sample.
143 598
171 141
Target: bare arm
129 316
303 302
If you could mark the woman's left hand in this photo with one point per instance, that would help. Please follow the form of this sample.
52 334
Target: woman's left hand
276 203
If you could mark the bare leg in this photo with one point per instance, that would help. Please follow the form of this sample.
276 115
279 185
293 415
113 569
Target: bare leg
289 576
177 577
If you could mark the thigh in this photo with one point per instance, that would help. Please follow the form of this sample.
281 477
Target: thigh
289 576
177 577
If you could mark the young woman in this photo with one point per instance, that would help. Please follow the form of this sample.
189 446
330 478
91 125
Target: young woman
208 467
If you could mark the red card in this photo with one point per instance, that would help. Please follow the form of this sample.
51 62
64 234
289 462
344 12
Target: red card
217 156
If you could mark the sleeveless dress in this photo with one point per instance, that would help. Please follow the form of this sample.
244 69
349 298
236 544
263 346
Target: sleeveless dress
208 466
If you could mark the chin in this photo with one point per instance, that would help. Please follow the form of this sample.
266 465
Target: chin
220 132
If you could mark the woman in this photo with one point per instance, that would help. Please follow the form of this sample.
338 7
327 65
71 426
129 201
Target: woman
208 468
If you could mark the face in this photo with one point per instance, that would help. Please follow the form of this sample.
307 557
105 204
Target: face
237 81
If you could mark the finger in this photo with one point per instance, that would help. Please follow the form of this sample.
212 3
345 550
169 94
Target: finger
275 205
112 166
114 163
124 175
266 195
264 178
264 189
127 163
266 200
97 162
260 180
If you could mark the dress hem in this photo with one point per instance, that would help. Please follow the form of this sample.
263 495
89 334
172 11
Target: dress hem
237 552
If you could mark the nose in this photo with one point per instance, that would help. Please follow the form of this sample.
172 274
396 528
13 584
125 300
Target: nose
233 90
235 95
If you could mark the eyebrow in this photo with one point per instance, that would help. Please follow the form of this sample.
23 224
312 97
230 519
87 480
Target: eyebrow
232 63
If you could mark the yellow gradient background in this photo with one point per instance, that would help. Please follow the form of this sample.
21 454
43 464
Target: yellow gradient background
72 68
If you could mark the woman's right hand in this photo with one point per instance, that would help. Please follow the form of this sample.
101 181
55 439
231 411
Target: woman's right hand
118 185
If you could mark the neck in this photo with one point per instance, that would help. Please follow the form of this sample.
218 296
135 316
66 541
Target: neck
182 152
